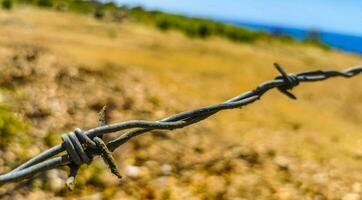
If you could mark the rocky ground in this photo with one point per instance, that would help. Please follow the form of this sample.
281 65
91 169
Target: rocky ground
58 70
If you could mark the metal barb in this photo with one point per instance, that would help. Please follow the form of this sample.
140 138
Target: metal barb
102 118
291 81
82 144
82 148
107 156
73 173
105 153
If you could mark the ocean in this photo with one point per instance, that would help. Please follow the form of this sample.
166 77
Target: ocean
343 42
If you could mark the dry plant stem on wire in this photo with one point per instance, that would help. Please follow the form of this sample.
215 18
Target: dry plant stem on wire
82 146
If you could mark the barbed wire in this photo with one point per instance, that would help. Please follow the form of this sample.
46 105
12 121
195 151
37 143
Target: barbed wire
82 146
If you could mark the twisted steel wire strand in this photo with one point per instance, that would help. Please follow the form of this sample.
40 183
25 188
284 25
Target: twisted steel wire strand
45 161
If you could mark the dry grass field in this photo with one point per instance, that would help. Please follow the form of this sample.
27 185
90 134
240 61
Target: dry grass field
58 69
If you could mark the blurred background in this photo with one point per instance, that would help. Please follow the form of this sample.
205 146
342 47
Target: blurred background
335 23
62 61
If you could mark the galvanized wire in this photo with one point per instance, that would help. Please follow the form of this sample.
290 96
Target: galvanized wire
78 144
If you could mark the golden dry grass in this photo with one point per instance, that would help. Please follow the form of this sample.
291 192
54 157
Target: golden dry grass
305 149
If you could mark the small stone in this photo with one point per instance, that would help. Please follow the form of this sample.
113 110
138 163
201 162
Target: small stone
357 187
55 182
96 196
321 178
282 162
132 171
319 197
351 196
166 169
35 195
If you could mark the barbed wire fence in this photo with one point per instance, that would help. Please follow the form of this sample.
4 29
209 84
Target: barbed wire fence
81 147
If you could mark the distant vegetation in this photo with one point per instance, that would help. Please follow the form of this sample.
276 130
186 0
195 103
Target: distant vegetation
204 28
196 27
45 3
7 4
192 27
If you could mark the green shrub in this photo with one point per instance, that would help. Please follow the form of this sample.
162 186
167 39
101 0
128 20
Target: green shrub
195 27
45 3
162 24
61 6
99 13
10 126
7 4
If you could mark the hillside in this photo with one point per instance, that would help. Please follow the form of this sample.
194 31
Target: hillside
58 69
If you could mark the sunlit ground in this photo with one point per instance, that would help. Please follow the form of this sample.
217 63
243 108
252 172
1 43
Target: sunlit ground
59 69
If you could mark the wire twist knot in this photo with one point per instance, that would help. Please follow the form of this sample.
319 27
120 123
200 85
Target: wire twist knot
81 149
76 144
290 81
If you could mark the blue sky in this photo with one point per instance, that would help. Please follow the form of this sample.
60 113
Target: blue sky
343 16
